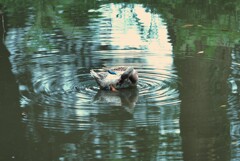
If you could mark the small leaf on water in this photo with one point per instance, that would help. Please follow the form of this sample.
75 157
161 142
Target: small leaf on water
200 52
223 106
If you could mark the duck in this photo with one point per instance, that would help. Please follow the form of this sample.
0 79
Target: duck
116 78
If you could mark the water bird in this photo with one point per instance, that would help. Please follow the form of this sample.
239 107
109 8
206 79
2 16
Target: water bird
116 78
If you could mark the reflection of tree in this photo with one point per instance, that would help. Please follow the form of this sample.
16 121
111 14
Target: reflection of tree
211 30
67 32
204 94
12 135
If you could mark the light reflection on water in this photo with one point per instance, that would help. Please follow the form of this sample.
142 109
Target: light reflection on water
56 76
64 104
62 96
234 102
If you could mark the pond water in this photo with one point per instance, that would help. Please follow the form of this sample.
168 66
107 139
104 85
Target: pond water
186 104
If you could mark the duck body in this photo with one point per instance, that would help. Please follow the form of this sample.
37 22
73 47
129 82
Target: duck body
116 78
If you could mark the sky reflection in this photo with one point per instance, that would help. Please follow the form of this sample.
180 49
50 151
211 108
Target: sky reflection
132 26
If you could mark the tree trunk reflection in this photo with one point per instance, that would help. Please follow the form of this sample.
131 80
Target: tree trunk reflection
203 121
12 134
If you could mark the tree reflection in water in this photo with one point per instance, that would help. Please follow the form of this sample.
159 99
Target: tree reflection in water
54 44
12 139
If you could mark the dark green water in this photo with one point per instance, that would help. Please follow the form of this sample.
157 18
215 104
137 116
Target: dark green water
186 105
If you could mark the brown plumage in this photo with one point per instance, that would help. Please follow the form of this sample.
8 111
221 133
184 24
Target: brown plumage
115 78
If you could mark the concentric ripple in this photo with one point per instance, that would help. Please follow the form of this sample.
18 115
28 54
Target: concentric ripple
50 88
157 88
79 89
69 98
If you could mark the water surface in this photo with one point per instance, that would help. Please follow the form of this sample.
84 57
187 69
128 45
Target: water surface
185 106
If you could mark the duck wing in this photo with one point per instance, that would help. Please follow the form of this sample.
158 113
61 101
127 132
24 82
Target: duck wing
99 77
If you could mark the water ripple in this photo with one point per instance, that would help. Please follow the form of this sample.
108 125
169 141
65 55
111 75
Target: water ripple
157 88
154 88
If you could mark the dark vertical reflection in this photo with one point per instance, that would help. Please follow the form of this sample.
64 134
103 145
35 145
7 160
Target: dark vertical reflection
11 130
203 122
